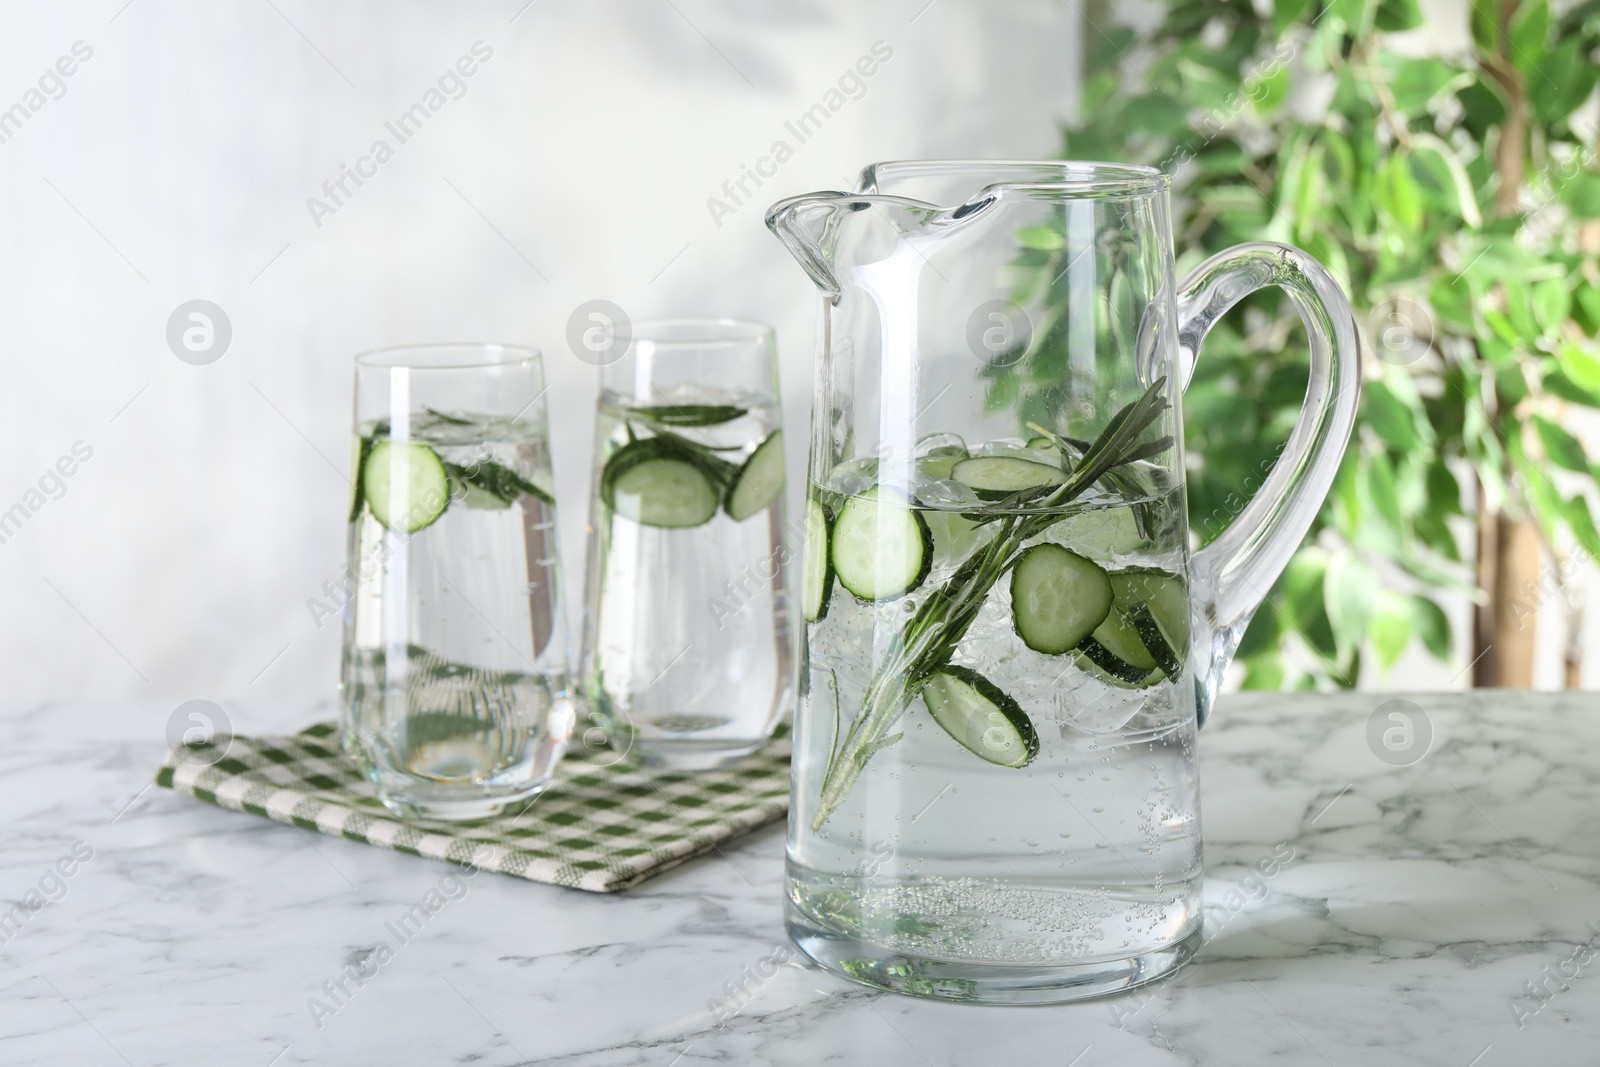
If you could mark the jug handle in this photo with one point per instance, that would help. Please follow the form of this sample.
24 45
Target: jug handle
1230 577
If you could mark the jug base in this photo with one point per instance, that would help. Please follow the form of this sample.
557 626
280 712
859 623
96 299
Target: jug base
980 983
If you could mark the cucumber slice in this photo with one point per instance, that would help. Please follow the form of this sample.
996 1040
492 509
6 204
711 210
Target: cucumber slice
1142 680
1120 637
1115 647
688 414
937 453
757 483
816 572
1058 598
996 477
880 549
405 485
658 483
981 718
359 450
1046 448
938 464
1157 605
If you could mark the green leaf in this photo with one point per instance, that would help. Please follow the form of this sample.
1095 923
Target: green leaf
1399 15
1433 531
1394 15
1304 600
1539 492
1268 89
1586 307
1452 301
1205 88
1460 180
1380 483
1481 108
1504 331
1579 365
1401 196
1558 384
1309 196
1222 157
1583 528
1044 238
1444 491
1527 33
1263 672
1264 634
1155 113
1346 674
1581 16
1566 78
1286 13
1563 449
1551 303
1350 590
1485 24
1346 496
1390 416
1417 83
1113 43
1390 629
1581 193
1432 625
1510 385
1357 14
1519 310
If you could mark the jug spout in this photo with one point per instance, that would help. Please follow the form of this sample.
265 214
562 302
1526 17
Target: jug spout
808 227
813 228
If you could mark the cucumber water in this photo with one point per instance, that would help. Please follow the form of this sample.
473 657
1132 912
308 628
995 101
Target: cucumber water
455 521
1060 728
687 574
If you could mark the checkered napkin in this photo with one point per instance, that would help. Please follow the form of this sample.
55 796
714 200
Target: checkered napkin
601 825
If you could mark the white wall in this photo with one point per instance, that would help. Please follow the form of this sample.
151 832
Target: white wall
178 164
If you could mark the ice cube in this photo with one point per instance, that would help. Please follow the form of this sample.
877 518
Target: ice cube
854 476
944 493
939 444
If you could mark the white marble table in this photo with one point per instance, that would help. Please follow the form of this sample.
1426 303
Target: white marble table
1422 905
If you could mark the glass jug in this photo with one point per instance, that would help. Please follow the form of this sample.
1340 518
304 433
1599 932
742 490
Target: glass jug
1009 643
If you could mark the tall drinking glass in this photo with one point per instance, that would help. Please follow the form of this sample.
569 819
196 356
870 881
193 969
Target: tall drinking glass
456 672
687 654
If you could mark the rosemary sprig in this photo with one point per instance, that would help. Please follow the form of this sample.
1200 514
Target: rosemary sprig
929 639
495 479
448 420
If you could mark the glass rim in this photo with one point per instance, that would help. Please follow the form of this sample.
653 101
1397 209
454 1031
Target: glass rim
711 331
473 355
1072 176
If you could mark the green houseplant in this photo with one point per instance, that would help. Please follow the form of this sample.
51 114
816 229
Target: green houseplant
1457 199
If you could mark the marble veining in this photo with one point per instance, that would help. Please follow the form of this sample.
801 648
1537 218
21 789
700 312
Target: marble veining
1443 912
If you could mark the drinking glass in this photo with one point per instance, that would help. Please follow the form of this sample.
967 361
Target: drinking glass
456 671
687 654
